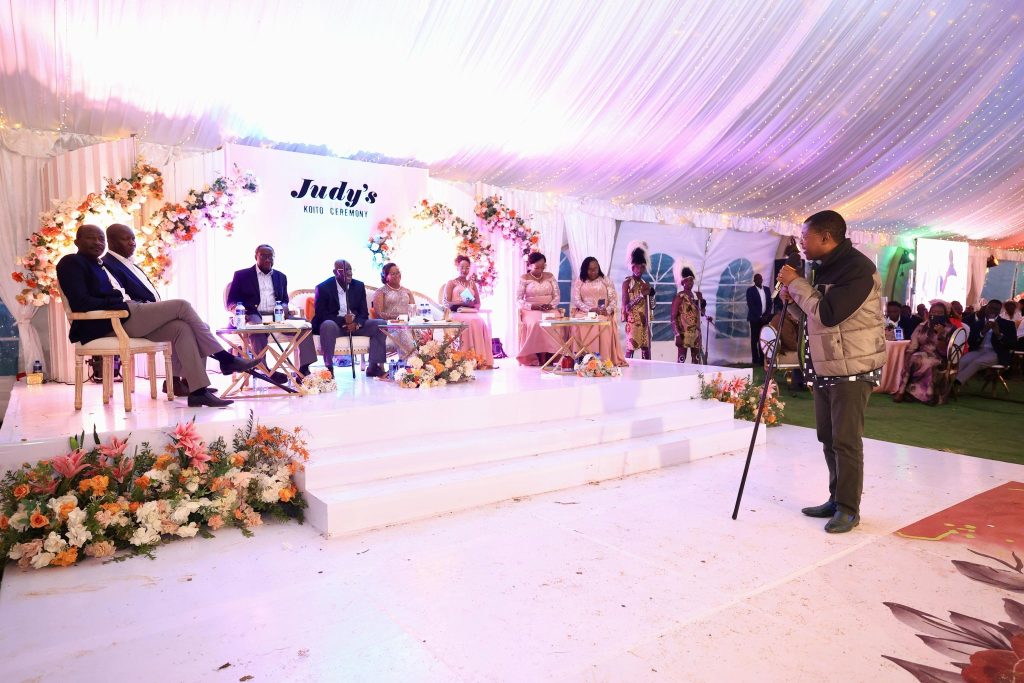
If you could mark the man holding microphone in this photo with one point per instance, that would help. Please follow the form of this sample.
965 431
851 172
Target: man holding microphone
845 354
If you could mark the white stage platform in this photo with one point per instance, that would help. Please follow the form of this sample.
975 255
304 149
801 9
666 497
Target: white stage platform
382 455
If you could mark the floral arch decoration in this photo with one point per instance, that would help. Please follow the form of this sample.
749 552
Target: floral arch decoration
493 216
214 206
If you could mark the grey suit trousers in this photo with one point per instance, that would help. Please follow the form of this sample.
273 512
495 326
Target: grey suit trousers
176 321
330 330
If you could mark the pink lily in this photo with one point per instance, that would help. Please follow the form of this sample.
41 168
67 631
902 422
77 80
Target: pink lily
123 468
198 458
187 437
115 448
71 464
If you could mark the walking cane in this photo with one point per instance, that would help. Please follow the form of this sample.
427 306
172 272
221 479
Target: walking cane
707 338
351 349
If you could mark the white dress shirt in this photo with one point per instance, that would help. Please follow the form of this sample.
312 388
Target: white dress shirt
113 282
143 278
342 300
267 298
764 301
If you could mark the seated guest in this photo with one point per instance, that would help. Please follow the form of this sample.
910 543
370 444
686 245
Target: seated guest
894 318
594 293
686 308
956 313
119 260
912 320
1010 312
88 286
537 295
393 300
926 352
462 297
990 340
789 344
340 307
970 316
259 288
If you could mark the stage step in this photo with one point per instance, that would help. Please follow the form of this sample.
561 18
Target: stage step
329 467
350 508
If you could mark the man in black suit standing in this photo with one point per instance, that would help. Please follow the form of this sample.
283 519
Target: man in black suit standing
759 313
259 288
88 286
341 307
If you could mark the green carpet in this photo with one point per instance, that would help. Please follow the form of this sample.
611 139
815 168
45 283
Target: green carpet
975 424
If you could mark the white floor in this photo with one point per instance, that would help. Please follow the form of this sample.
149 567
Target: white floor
643 578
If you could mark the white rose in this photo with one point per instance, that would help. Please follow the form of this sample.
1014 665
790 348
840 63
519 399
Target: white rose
145 536
187 531
54 543
41 560
208 197
415 363
454 376
78 535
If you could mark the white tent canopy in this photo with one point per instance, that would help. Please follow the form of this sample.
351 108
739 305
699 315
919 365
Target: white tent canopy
903 115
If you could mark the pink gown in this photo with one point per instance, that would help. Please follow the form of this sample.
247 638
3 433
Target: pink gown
585 298
533 339
477 336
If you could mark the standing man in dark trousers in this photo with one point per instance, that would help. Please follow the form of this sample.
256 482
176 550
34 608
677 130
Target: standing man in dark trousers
845 354
759 314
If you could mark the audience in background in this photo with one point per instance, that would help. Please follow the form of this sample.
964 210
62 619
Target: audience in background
906 312
1011 312
894 319
991 339
926 352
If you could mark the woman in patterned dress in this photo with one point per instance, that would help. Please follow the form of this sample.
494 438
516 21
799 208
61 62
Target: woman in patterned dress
537 295
393 300
686 309
927 350
637 303
462 297
594 293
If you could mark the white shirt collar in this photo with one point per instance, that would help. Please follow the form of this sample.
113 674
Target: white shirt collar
133 266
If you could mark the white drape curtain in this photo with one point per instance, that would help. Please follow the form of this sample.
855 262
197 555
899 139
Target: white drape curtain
590 236
977 269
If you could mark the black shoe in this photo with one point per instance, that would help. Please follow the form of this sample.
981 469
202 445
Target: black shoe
206 398
842 522
824 510
179 385
279 377
304 370
237 364
374 370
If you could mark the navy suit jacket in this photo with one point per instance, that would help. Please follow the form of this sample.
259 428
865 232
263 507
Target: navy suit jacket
246 288
1002 346
134 287
328 306
87 288
754 312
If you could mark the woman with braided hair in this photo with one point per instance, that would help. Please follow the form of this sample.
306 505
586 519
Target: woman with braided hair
637 302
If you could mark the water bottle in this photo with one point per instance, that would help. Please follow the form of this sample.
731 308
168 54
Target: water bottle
239 320
278 312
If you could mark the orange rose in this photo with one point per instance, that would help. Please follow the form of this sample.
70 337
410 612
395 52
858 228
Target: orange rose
133 506
142 482
20 491
215 522
65 510
238 514
286 494
162 462
66 557
218 483
4 523
112 508
38 521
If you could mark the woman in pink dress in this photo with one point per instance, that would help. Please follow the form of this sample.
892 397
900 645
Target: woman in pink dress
537 295
462 297
594 293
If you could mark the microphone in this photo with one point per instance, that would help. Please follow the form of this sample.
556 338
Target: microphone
793 261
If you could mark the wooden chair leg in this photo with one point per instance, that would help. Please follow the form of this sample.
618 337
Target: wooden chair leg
108 378
151 370
169 375
79 379
128 383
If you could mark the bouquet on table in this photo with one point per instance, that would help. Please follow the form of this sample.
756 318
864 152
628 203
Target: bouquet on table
435 364
321 382
591 365
744 396
96 501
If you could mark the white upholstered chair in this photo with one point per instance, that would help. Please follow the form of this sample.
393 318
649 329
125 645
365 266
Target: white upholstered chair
119 345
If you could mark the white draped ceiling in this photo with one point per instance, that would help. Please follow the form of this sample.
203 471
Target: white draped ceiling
906 115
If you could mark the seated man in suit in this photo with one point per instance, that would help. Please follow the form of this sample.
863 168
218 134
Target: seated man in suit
991 341
136 284
259 288
341 307
88 286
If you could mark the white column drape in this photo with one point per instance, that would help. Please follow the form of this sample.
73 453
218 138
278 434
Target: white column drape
590 236
20 203
977 269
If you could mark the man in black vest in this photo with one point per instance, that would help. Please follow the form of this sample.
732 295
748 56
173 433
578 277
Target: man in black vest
88 286
341 307
759 313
